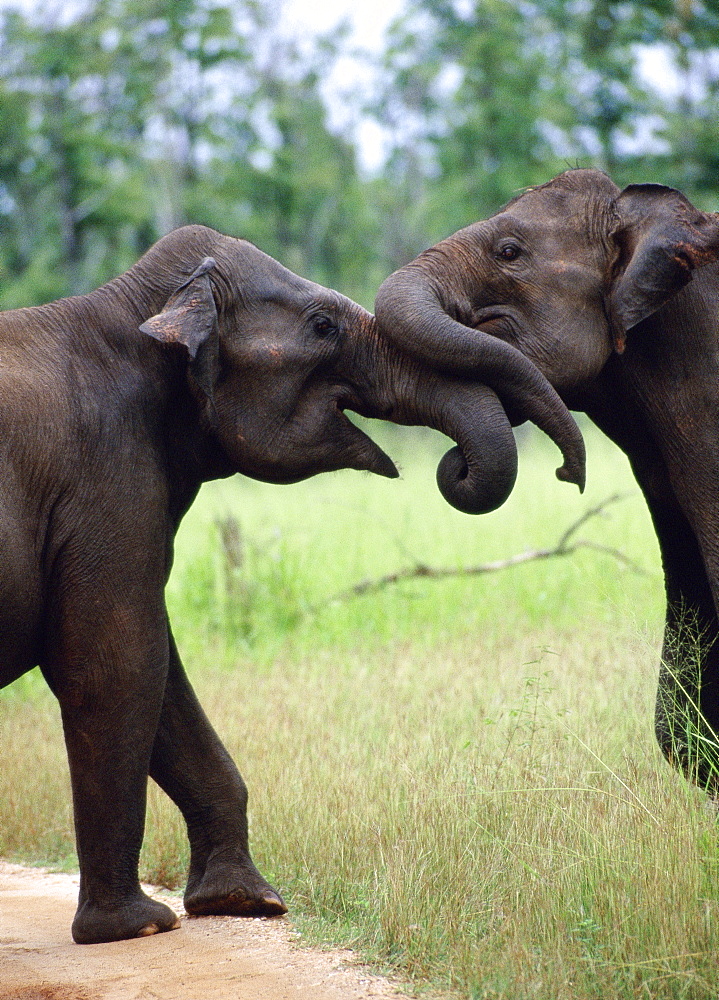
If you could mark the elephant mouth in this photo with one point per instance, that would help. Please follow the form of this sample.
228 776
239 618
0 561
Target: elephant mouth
499 321
361 451
502 322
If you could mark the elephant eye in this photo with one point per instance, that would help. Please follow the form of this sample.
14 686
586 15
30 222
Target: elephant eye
510 251
323 326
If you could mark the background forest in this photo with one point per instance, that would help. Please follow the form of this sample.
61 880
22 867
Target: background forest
122 119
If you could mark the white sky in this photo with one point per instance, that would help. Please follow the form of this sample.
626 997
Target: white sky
369 17
351 76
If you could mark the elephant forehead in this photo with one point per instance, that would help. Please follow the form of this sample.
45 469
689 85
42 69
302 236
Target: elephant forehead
567 234
578 184
585 210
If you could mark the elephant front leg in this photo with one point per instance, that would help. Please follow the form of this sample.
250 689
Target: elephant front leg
109 740
192 766
687 707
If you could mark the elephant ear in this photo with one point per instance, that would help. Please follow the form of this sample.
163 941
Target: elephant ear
190 318
662 238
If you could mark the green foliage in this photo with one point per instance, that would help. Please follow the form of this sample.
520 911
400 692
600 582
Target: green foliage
127 119
240 593
473 83
486 97
692 741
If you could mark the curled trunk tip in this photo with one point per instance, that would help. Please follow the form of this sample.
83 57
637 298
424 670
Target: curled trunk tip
574 469
479 474
476 494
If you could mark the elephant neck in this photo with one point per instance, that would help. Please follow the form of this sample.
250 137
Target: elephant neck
669 366
144 289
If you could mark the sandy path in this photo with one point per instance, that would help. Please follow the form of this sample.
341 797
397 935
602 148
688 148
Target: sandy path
210 958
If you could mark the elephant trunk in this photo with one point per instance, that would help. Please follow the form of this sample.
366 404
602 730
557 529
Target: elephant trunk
478 474
411 315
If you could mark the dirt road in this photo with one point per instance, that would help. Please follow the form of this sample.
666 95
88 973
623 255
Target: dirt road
210 958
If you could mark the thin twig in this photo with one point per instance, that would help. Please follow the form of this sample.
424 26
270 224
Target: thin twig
424 572
595 511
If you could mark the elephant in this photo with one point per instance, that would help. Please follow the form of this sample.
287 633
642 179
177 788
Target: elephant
614 295
204 359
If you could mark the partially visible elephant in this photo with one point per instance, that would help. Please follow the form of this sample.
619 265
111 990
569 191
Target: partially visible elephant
204 359
614 295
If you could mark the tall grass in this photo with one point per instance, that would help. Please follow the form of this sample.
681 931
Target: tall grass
458 778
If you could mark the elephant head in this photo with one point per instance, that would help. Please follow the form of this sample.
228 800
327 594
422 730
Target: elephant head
558 276
274 360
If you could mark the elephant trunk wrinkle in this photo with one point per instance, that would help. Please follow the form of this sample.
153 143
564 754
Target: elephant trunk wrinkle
409 311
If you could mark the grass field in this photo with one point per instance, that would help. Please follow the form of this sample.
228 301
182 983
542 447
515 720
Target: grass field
459 777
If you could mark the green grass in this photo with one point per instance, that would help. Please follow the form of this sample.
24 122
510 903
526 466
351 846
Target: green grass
458 778
305 543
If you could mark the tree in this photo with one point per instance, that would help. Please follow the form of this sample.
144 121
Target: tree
467 95
686 33
485 97
133 118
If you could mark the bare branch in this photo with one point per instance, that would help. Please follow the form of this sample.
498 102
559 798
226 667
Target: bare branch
562 548
596 511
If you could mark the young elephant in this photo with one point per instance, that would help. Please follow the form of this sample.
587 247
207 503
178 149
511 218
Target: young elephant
594 285
204 359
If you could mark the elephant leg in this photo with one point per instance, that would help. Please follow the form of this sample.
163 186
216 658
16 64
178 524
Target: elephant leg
687 707
109 732
192 766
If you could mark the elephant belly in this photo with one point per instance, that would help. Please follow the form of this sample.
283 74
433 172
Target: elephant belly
20 607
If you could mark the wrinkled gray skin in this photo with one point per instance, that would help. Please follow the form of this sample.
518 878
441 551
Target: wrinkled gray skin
614 295
204 359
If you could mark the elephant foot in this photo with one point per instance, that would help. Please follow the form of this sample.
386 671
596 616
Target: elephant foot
233 890
137 917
